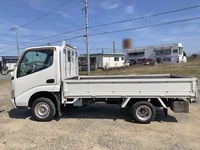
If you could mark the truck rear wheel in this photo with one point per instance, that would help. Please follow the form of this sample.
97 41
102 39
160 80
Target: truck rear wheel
43 109
143 112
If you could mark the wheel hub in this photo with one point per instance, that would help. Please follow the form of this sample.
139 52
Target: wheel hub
42 110
143 112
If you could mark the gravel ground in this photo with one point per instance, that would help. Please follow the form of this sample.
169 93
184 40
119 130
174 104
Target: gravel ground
99 126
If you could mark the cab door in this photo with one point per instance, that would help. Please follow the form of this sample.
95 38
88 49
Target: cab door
36 69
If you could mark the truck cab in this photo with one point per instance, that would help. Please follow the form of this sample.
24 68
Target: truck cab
38 72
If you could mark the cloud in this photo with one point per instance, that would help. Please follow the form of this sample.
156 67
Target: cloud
178 38
25 31
175 31
41 6
109 5
170 39
18 9
192 28
65 15
130 9
38 5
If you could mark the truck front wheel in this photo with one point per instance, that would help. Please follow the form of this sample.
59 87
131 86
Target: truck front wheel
43 109
143 112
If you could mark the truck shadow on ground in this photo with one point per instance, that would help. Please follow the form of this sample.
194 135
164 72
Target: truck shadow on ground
19 113
95 111
105 111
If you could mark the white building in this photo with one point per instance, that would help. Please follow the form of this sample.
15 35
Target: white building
167 53
103 60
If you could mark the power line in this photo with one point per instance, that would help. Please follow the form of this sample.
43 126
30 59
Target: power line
7 51
45 14
138 18
147 16
121 21
5 33
11 16
142 27
115 31
60 5
75 37
111 23
123 30
117 22
135 28
5 47
6 41
55 35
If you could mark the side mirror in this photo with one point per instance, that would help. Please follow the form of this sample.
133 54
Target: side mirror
4 71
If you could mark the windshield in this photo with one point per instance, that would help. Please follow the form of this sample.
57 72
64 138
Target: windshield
34 61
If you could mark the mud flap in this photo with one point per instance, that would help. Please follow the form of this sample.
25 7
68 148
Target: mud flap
58 104
58 108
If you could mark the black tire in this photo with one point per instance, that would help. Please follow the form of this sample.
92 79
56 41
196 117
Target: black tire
43 109
143 112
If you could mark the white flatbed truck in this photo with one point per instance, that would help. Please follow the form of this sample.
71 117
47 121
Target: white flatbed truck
47 78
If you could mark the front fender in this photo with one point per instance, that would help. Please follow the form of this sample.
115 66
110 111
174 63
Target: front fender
23 99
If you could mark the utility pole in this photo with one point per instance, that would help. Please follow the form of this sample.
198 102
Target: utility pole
86 29
17 42
113 46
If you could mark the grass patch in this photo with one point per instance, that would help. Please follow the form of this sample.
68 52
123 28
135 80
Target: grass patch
191 69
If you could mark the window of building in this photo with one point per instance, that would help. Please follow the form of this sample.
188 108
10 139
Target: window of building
136 54
158 60
122 58
163 52
175 51
167 59
116 58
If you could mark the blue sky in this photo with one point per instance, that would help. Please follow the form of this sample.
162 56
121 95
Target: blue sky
70 16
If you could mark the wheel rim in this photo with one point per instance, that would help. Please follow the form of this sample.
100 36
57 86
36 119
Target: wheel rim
42 110
143 112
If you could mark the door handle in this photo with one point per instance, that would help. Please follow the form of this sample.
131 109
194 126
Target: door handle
50 81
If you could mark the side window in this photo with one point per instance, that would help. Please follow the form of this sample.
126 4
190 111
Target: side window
69 56
34 61
73 59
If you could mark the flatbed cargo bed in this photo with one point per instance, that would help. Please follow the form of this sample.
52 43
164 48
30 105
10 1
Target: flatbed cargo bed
137 86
